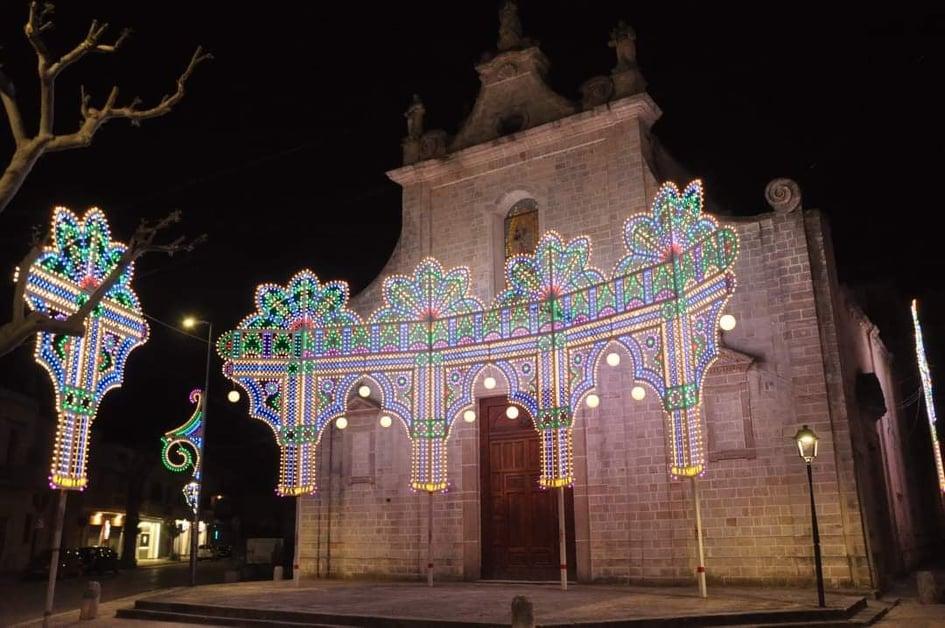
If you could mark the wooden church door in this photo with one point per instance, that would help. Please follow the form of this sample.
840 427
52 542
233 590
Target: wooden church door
519 518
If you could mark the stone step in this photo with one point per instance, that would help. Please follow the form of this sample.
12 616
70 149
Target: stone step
871 613
209 620
858 613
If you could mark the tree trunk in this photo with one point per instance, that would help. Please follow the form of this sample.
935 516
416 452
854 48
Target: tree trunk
132 519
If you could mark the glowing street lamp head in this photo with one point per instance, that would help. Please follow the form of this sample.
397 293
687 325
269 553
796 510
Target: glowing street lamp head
613 358
386 421
489 382
638 393
727 322
364 391
806 444
469 416
511 412
189 322
592 401
341 423
233 396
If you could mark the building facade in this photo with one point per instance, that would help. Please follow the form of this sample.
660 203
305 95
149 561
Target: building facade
527 160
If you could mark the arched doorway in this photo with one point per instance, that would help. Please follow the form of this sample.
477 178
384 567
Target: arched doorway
519 518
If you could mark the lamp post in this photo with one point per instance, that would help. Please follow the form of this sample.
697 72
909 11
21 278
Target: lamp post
190 323
806 442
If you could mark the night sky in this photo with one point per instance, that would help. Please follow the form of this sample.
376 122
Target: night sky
278 151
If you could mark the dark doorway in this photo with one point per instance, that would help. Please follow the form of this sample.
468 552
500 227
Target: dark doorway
519 518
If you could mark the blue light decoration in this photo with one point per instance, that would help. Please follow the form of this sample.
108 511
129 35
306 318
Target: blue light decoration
300 356
181 447
82 368
926 376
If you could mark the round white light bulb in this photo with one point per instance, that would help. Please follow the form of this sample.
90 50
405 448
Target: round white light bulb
469 416
341 423
386 421
727 322
233 396
592 401
364 390
613 358
489 382
638 393
511 412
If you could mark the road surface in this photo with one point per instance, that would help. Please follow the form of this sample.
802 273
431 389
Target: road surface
22 600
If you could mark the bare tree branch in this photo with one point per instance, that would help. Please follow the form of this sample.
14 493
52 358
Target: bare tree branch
22 327
94 118
29 148
12 109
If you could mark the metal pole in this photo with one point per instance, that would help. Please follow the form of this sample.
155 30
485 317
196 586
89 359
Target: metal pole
562 541
54 560
700 568
296 576
195 526
816 532
430 539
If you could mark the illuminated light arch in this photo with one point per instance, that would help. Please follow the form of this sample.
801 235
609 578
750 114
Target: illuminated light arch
546 332
82 368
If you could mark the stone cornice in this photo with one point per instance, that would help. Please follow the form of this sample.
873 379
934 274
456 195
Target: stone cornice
639 106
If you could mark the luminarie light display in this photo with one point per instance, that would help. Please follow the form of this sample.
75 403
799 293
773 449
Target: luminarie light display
82 368
926 377
303 354
180 448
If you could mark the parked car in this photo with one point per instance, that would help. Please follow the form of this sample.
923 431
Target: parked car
99 559
70 564
222 551
204 551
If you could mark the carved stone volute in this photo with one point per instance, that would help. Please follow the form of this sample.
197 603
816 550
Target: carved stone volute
783 195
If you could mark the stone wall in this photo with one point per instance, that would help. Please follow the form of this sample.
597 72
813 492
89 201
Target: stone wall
783 368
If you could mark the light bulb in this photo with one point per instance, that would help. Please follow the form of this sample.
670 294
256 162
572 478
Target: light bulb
592 401
613 358
638 393
233 396
469 416
364 390
511 412
489 382
727 322
386 421
341 423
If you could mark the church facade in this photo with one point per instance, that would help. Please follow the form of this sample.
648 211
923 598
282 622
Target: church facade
525 161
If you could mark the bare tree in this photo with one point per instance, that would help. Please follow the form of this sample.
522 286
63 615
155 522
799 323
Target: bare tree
30 147
25 323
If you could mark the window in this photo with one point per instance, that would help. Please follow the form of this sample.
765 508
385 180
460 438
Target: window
521 228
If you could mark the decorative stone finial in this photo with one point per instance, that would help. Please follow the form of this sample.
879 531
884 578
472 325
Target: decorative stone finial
783 195
510 27
623 41
414 115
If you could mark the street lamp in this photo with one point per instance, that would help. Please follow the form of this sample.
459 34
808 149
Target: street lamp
190 323
806 442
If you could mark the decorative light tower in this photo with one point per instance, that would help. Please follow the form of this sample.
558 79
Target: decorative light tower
192 490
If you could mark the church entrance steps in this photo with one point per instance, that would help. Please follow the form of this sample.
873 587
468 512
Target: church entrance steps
344 603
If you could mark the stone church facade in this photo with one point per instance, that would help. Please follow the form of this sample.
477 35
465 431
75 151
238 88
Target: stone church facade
527 160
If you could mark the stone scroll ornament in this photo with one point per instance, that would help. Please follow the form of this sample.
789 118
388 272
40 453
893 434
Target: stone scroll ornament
421 354
181 447
82 368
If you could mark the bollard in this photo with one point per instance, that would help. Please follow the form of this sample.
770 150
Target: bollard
927 586
277 572
90 599
523 615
